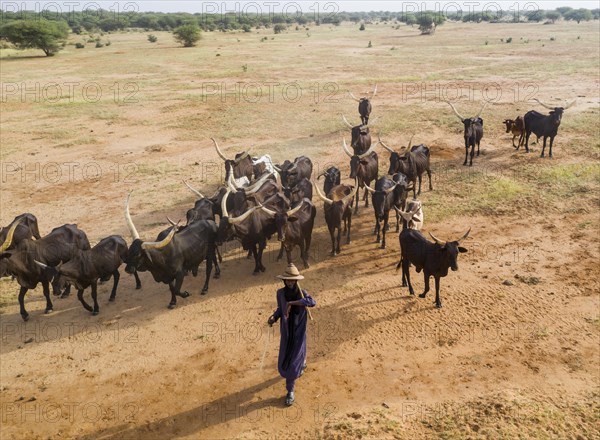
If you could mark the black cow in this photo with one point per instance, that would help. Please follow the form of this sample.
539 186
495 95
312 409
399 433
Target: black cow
294 228
204 207
434 259
361 137
87 267
332 176
168 260
293 172
413 163
338 209
242 165
543 125
60 245
363 167
473 132
383 198
517 128
364 106
27 228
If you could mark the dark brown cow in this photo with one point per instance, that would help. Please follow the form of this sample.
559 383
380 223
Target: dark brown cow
473 132
545 126
363 167
517 128
60 245
364 106
412 164
338 209
361 137
27 229
242 165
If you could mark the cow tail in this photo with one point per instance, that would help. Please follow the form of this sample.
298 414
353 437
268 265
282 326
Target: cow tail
399 264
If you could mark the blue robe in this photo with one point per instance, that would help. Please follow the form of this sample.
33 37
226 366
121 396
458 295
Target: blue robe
290 364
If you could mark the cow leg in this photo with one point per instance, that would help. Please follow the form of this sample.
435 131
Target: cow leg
280 256
385 228
138 283
366 197
210 259
397 221
24 313
175 287
472 154
261 247
250 254
551 142
95 299
544 147
527 141
438 301
415 187
66 292
255 255
478 145
218 252
406 274
429 175
82 301
339 239
349 227
46 288
304 254
216 263
357 201
332 236
513 141
377 230
420 178
116 277
426 280
466 152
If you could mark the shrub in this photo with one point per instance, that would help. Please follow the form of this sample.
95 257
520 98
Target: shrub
99 44
152 38
509 40
187 34
369 45
79 45
362 27
279 28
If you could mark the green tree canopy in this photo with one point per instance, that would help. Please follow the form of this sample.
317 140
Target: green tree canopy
579 15
553 15
49 36
187 34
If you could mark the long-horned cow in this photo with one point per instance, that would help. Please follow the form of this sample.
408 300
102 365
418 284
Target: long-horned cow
27 228
169 259
60 245
545 126
338 209
473 132
361 137
364 168
241 165
364 106
434 259
412 163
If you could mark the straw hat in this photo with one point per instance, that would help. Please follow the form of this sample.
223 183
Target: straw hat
291 273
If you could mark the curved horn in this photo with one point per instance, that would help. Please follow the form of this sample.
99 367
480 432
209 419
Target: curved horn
293 167
371 190
482 107
405 215
366 153
295 210
9 236
277 168
42 265
384 145
325 199
231 183
198 193
243 156
455 112
160 244
132 230
346 121
353 97
545 105
570 104
374 91
256 185
224 204
350 196
244 216
346 148
410 141
269 211
389 190
172 222
438 241
218 149
464 236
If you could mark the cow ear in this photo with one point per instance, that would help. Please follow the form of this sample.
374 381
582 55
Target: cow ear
462 250
292 219
403 158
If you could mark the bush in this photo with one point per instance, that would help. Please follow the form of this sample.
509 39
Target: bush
246 28
362 27
152 38
188 34
49 36
279 28
99 44
108 43
509 40
79 45
369 45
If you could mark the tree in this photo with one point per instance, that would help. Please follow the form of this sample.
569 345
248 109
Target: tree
579 15
564 9
187 34
49 36
279 28
553 16
536 16
428 22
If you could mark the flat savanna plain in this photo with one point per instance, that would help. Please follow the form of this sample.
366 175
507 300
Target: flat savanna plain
497 361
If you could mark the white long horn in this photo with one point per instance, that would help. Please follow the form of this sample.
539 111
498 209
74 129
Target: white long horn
482 107
464 236
570 104
218 149
541 103
160 244
384 145
244 216
353 97
389 190
368 152
325 199
456 112
243 156
9 235
371 190
346 121
231 183
42 265
269 211
350 196
224 204
256 186
198 193
410 141
346 148
295 210
437 240
374 91
132 230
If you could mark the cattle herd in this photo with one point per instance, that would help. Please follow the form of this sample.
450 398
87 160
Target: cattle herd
260 199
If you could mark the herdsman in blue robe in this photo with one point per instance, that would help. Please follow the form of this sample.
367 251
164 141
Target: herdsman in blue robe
291 308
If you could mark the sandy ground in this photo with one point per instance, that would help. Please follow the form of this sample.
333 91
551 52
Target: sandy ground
497 361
